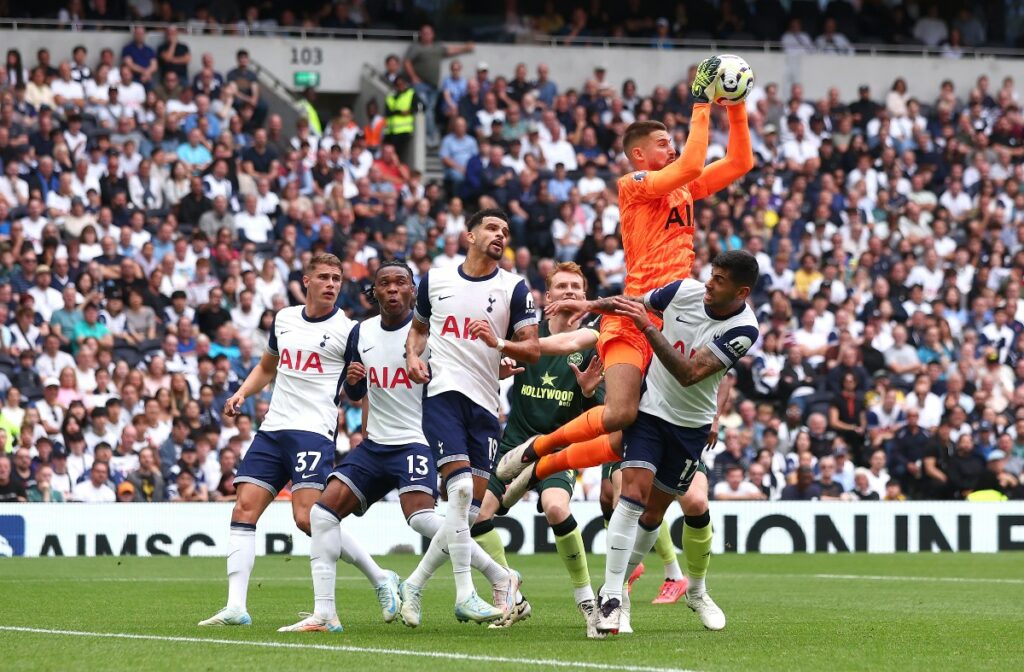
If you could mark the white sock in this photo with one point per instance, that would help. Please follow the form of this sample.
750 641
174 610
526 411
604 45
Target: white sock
427 522
696 587
436 555
241 558
354 554
645 540
456 531
324 551
583 594
673 572
622 530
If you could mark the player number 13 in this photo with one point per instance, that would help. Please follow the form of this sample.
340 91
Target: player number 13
420 462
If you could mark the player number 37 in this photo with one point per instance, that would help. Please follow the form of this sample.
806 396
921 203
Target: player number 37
301 458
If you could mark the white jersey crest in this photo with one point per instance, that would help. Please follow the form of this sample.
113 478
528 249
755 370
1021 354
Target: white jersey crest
311 359
689 327
395 417
448 300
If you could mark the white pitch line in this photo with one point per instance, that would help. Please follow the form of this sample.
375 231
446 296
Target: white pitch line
165 579
870 577
539 662
926 579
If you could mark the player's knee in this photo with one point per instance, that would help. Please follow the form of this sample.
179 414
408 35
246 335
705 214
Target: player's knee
636 492
651 519
302 520
694 503
619 416
556 512
245 511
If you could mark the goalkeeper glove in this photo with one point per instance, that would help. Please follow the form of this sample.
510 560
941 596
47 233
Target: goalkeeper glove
704 81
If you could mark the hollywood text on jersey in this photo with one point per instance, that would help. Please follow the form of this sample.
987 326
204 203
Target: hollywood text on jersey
563 397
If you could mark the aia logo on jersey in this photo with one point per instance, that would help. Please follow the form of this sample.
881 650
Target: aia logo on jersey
300 361
683 220
451 328
386 379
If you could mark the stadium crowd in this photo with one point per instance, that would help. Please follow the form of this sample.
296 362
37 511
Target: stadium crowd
800 25
153 217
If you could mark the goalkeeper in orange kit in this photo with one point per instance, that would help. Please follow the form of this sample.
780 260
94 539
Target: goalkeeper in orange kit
656 205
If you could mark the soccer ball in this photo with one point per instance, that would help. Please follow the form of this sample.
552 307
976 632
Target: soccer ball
734 82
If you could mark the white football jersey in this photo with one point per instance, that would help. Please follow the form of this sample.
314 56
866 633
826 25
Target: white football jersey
448 300
689 327
311 359
395 417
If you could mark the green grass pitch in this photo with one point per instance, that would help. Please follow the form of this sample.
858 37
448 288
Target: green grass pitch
799 612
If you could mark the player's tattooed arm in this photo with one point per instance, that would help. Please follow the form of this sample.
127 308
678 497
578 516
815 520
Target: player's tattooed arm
687 370
607 304
578 309
415 345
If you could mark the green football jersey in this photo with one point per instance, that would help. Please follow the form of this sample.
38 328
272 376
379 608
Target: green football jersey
546 395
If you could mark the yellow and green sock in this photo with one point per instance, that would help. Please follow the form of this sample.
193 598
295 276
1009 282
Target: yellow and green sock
569 543
666 550
697 534
484 534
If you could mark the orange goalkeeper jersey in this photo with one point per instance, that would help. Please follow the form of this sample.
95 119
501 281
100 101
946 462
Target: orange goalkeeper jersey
657 234
657 216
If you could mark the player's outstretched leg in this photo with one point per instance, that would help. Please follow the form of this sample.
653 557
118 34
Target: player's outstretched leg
675 583
622 382
592 453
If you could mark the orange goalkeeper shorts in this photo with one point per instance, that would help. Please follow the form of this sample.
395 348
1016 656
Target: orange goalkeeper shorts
621 342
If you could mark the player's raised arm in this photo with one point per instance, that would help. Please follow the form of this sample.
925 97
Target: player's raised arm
708 360
690 164
737 162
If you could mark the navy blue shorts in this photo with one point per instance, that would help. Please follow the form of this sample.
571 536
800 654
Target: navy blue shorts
459 430
670 451
372 470
274 458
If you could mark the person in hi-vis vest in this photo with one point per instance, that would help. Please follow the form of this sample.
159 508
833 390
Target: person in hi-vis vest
308 104
400 111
